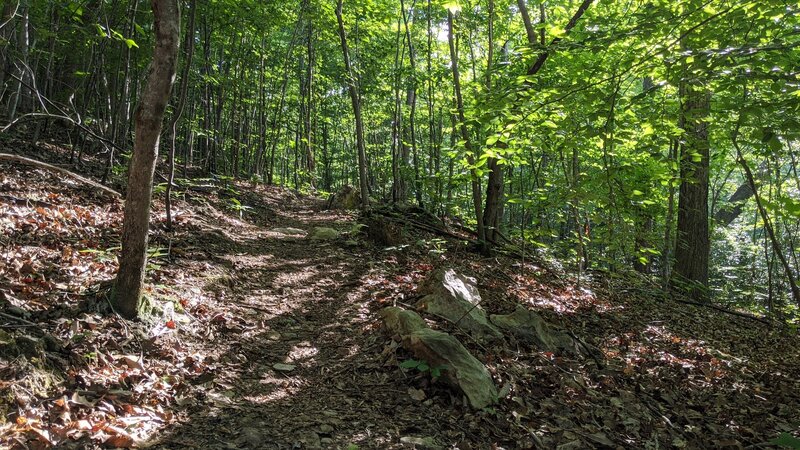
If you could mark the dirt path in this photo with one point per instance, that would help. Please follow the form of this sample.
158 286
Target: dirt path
303 304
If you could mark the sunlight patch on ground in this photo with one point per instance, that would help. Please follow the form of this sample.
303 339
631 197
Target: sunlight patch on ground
302 351
295 278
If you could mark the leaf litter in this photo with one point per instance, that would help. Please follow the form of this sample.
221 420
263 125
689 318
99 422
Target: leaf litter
256 341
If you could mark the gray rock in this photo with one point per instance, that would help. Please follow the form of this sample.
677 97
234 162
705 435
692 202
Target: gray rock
456 298
346 197
401 321
461 371
421 442
289 231
324 234
530 327
252 437
310 439
280 367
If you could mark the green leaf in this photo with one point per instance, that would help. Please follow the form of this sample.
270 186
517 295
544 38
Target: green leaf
786 440
131 43
410 364
453 7
422 367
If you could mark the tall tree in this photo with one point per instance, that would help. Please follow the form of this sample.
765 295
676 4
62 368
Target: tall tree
352 83
475 180
692 244
149 118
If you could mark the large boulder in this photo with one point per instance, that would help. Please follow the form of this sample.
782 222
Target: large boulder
528 326
456 298
460 369
346 197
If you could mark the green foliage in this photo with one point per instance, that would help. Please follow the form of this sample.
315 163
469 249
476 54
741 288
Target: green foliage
423 367
786 440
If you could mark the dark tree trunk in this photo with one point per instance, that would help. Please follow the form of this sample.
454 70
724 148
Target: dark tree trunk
149 117
692 246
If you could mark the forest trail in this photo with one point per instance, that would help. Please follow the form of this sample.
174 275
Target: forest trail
260 339
304 304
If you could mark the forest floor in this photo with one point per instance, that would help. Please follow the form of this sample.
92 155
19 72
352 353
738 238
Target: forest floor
259 339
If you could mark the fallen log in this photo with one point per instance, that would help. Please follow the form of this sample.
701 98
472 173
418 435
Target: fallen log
61 170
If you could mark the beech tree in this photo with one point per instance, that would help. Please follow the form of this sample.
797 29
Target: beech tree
149 117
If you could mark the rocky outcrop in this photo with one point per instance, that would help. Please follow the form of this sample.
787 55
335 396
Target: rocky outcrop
460 368
346 197
456 298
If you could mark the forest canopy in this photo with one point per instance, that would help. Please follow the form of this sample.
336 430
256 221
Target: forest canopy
655 136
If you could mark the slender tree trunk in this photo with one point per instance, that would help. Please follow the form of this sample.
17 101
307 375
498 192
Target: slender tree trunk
398 151
669 221
776 247
465 136
173 124
492 215
356 100
310 165
410 131
149 116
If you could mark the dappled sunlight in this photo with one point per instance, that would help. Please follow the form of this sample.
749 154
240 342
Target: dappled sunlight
276 340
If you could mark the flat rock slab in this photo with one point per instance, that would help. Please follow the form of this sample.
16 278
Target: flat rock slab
456 298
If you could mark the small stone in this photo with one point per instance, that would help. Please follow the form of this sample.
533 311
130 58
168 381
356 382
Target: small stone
252 437
310 439
274 336
422 442
17 311
417 394
324 234
6 338
289 231
327 441
280 367
325 429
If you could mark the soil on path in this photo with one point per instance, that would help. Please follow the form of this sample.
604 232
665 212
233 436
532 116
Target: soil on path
305 305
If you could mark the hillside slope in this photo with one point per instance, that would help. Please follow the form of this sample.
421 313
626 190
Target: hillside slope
263 339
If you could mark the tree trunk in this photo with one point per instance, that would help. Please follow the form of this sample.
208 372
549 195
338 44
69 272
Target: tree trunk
173 125
476 182
356 100
149 116
692 246
492 214
776 247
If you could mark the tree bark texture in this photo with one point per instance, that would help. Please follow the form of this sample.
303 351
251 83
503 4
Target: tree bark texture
149 117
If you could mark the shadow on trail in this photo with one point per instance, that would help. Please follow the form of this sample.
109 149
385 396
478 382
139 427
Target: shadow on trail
295 362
